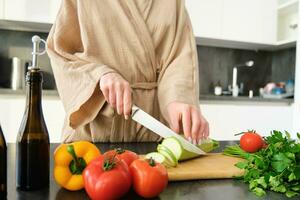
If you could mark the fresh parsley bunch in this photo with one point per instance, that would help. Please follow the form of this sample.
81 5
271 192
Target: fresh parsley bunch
276 167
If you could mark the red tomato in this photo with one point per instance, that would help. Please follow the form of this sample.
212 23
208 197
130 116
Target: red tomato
251 142
125 155
149 178
106 178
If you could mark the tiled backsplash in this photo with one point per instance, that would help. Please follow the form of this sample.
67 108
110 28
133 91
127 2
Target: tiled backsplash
215 63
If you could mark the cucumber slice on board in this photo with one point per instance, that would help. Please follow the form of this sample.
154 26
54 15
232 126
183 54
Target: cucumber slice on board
177 149
181 154
174 146
165 151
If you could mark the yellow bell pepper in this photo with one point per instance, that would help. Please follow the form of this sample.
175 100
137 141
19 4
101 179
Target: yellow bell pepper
69 162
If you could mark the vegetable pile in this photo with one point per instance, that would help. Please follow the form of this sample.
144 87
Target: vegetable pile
108 176
111 175
275 167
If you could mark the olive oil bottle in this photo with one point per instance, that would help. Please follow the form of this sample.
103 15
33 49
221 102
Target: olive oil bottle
33 138
3 166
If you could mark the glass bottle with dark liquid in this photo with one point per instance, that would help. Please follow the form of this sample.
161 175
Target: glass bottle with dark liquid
3 166
33 138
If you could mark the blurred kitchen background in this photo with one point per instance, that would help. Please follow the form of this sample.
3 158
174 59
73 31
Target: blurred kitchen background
253 42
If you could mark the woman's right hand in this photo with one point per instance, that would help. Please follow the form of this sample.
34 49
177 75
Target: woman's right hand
117 92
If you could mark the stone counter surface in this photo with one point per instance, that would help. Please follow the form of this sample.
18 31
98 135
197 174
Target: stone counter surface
205 98
222 189
10 92
243 99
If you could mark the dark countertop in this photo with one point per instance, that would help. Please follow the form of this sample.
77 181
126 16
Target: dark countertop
222 189
204 98
47 93
210 98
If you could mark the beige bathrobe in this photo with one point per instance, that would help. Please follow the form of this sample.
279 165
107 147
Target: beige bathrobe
149 42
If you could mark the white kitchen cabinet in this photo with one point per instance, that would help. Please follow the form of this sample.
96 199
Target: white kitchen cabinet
11 113
234 23
225 120
1 9
206 17
31 10
250 21
287 21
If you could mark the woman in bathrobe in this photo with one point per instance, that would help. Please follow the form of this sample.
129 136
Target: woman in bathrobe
107 55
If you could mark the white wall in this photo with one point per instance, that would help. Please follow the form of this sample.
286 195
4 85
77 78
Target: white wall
12 108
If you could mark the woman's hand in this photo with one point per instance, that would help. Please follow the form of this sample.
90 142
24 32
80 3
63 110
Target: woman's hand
189 119
117 93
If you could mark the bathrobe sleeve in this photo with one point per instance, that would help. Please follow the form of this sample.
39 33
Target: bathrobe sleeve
179 80
77 77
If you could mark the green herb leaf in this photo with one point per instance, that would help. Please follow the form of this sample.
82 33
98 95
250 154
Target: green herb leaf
280 162
290 193
296 188
295 148
261 181
241 165
297 173
292 177
259 191
280 188
274 181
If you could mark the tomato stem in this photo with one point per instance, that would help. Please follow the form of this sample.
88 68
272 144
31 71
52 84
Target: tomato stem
151 162
119 150
249 131
109 163
241 133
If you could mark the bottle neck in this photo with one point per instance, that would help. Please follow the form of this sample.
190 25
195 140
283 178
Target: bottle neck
2 138
34 93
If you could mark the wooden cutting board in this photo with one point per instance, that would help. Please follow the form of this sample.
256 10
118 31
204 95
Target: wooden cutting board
210 166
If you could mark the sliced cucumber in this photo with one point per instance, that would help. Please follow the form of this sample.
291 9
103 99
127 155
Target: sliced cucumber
173 145
181 154
165 151
158 157
177 149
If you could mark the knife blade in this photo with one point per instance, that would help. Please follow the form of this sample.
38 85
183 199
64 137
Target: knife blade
160 129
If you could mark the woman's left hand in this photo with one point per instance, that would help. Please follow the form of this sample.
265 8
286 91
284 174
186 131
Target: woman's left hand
190 119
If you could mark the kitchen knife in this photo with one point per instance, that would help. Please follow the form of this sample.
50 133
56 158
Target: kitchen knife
157 127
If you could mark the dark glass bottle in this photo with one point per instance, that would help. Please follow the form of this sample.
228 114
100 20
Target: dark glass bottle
3 166
33 139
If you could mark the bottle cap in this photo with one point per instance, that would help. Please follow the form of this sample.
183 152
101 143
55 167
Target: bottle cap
36 40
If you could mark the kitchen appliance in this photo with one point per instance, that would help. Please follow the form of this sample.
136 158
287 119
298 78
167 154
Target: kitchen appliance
157 127
17 74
